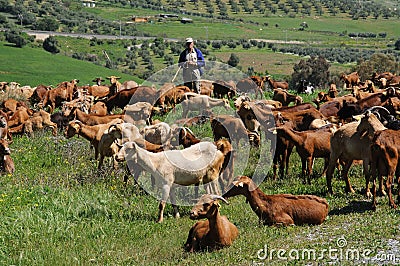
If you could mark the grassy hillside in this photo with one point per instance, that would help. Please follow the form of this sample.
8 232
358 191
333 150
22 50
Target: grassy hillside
320 28
31 66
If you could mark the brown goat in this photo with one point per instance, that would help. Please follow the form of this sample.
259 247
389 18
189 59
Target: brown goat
385 151
351 79
285 97
183 136
233 129
92 133
91 119
281 209
214 233
98 108
277 84
6 162
63 92
309 144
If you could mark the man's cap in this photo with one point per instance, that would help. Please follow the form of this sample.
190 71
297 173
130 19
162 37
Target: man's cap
189 40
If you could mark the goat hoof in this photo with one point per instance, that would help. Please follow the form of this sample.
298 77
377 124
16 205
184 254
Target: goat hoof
177 215
382 193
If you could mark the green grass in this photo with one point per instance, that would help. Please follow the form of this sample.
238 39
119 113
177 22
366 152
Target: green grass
31 66
57 209
322 29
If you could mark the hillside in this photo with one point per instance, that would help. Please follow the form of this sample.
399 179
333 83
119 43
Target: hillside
267 36
30 66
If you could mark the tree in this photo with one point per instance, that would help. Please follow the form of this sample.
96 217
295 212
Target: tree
233 60
50 45
216 45
15 37
377 63
47 24
315 70
397 45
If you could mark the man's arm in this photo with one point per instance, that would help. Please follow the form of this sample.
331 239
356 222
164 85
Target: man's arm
200 58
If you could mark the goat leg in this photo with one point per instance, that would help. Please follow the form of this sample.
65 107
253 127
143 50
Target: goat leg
173 202
345 176
367 177
165 194
389 182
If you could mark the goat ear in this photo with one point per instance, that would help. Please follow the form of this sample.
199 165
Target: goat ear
238 183
358 117
76 126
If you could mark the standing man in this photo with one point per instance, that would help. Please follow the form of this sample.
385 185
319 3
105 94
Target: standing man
192 61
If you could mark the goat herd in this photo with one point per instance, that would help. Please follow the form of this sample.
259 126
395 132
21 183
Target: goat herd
361 125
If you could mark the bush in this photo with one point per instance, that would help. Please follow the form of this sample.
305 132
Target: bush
233 60
16 38
216 45
46 24
246 45
397 45
50 45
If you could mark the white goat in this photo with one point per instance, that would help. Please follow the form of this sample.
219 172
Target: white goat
158 134
201 162
202 103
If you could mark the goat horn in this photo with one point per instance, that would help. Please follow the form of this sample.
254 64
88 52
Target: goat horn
215 197
190 131
377 107
184 130
376 113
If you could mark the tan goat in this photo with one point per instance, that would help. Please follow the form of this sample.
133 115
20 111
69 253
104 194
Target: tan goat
351 142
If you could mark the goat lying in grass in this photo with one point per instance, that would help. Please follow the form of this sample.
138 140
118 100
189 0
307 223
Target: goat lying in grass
285 209
214 233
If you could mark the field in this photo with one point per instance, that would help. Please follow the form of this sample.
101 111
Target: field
58 209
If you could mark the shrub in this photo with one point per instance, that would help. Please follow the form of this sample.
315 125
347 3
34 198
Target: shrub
46 24
233 60
50 45
16 38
